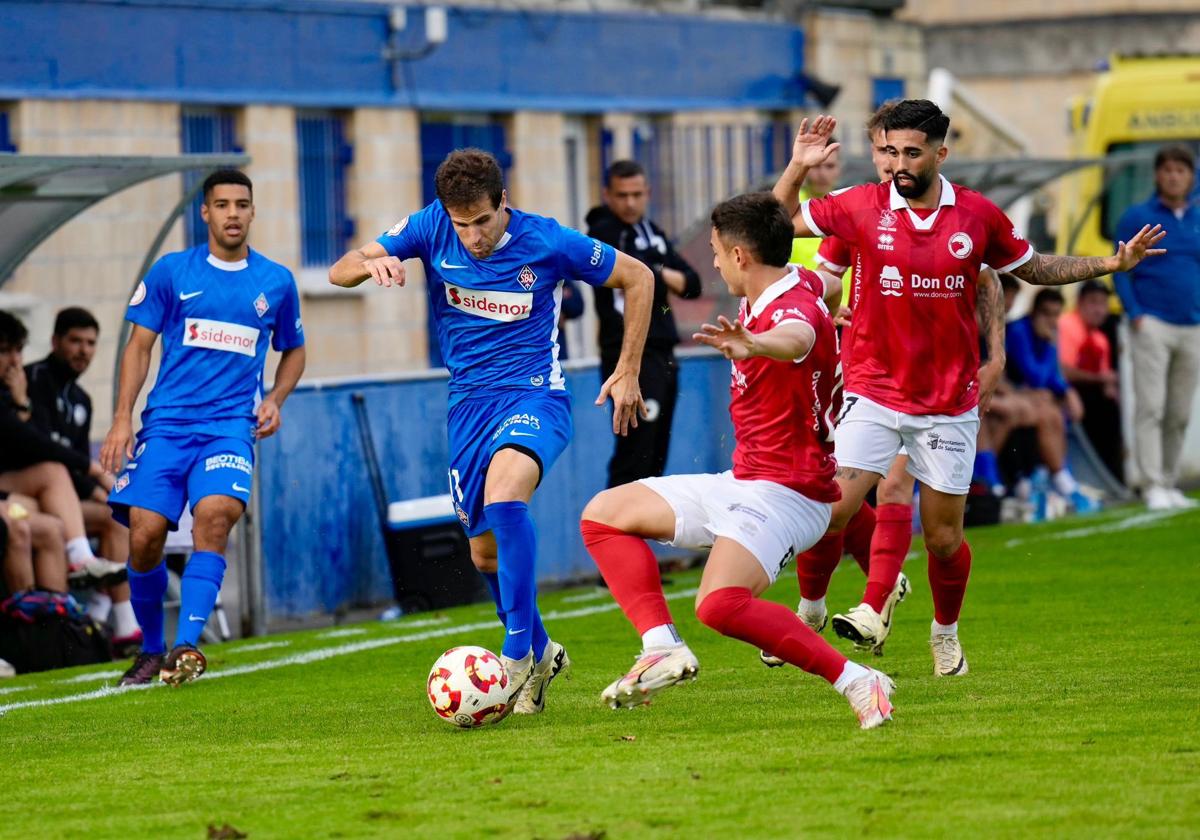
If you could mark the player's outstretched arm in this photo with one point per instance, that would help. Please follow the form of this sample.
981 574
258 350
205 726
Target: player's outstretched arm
786 342
808 150
1055 270
371 260
135 364
635 279
291 368
989 312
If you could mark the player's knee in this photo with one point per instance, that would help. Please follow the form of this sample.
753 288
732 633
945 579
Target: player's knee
839 517
485 561
891 492
719 608
943 541
604 508
20 535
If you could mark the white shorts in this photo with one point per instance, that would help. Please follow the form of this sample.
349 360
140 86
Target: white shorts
769 520
940 447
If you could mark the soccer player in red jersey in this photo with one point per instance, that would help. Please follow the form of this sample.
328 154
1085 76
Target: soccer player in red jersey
914 337
773 503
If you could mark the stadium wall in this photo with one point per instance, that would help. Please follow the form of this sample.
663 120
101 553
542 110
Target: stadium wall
322 550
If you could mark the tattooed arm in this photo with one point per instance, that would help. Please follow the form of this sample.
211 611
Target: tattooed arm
989 311
1055 270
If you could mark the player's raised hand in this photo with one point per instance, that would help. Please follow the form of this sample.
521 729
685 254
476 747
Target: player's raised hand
1139 247
268 419
118 445
809 149
385 271
730 337
626 395
843 316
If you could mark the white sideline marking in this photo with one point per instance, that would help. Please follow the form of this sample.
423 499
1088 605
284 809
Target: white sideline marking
92 677
594 595
320 654
15 688
422 622
259 646
1135 521
341 634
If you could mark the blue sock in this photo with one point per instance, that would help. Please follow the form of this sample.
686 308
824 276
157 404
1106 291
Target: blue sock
201 582
146 590
987 468
516 543
493 582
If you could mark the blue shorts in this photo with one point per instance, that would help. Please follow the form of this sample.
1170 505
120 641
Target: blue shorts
168 471
537 423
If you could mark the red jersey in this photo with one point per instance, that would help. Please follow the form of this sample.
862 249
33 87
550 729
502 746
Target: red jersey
780 409
913 337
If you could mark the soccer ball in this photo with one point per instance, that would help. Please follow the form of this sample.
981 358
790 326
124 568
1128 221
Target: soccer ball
468 687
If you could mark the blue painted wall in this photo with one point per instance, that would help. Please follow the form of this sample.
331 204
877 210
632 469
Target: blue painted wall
321 544
331 55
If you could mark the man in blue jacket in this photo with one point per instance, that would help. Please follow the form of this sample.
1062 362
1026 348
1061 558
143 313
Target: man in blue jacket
1161 298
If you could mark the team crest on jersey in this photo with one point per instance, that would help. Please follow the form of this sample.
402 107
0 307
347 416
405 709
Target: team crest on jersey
260 304
396 228
887 220
961 245
891 282
526 278
121 484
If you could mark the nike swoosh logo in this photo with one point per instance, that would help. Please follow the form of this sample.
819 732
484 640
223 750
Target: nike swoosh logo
522 434
194 617
451 265
189 295
240 488
515 632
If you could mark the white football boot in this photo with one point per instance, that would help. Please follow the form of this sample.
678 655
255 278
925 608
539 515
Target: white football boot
531 699
867 628
816 620
948 659
870 697
655 669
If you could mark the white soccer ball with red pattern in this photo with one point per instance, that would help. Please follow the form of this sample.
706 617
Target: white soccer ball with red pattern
468 687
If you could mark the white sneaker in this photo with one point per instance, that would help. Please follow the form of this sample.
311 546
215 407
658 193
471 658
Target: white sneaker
519 672
6 670
1158 498
1178 500
654 670
104 571
816 622
948 659
870 697
899 593
863 626
531 699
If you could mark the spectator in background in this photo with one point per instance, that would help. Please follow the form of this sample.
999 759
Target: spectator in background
1034 369
34 465
63 411
622 223
1161 298
1086 359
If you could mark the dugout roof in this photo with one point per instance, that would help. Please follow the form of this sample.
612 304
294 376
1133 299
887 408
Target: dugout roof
39 194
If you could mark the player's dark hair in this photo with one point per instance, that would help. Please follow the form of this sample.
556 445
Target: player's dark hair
623 169
227 176
881 114
12 331
74 318
1093 287
918 115
1045 296
758 222
467 175
1175 153
1009 282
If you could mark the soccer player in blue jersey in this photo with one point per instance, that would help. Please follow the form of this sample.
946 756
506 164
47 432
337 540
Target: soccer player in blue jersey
494 276
216 306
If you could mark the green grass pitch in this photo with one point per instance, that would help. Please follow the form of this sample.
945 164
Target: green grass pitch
1079 718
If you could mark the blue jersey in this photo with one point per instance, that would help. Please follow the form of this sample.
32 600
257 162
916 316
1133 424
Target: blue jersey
497 318
214 318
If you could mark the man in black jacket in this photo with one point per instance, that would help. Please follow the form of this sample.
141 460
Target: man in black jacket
622 223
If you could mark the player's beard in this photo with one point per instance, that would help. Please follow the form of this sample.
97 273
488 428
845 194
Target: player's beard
916 187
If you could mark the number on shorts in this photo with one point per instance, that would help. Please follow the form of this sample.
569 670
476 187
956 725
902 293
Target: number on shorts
846 406
456 486
787 558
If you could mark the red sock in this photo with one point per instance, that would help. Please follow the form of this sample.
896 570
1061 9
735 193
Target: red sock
734 612
857 536
889 547
948 582
815 567
631 572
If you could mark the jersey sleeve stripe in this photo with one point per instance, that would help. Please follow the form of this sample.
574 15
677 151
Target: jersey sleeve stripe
832 266
808 220
1028 255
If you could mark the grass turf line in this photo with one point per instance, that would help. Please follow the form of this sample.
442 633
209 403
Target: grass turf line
1078 717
